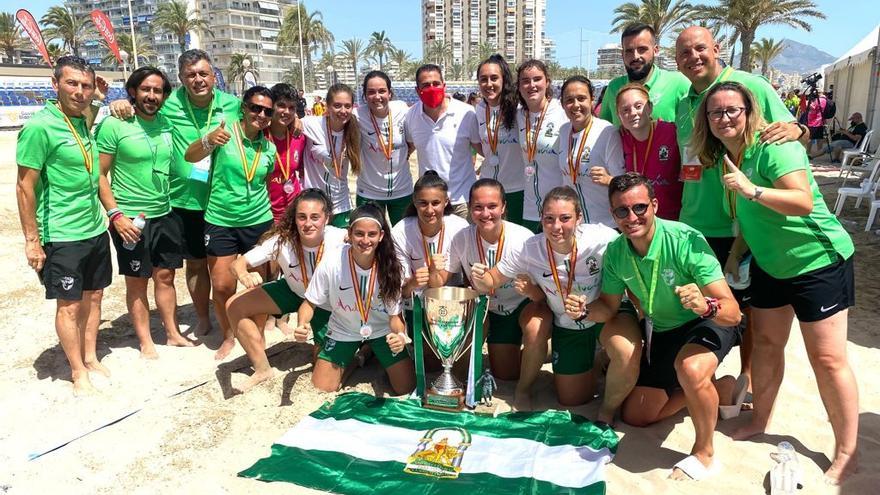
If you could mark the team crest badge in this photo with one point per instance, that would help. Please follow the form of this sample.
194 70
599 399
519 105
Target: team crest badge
668 276
329 345
207 239
549 132
439 453
593 265
585 158
663 153
66 282
135 265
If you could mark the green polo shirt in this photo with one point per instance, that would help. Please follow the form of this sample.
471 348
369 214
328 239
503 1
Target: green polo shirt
233 201
189 124
665 88
701 201
797 244
681 256
67 194
141 152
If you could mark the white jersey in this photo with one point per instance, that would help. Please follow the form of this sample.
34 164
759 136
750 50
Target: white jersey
445 146
592 239
381 178
464 253
288 260
333 285
542 173
601 149
318 164
411 245
509 166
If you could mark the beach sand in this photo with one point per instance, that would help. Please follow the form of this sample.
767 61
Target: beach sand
184 430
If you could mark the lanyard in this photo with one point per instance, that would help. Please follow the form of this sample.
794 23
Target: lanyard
428 261
498 251
331 144
731 195
154 150
572 265
649 304
249 172
192 116
88 159
532 140
302 262
647 151
387 148
574 164
492 129
363 307
723 77
285 166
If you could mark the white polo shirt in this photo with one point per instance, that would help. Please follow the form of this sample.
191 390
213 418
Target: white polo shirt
464 253
592 239
445 146
381 178
318 164
510 167
602 148
333 285
545 166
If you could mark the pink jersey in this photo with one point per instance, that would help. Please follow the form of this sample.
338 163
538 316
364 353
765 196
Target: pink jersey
661 165
277 195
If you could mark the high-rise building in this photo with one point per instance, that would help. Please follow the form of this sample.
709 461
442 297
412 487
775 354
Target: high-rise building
610 57
549 50
514 28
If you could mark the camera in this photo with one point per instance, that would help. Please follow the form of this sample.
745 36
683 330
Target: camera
812 80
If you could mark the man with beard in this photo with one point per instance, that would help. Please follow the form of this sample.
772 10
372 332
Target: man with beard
665 88
65 235
138 152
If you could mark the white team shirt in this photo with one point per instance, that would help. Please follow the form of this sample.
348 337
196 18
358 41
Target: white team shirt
592 239
333 285
510 171
334 238
318 164
445 146
546 164
464 253
603 148
381 178
408 242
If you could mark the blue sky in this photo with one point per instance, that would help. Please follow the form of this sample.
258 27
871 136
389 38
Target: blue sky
567 22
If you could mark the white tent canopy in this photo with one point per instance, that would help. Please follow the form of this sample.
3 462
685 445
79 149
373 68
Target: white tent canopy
859 53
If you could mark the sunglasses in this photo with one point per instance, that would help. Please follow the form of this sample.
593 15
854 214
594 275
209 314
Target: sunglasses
257 109
622 212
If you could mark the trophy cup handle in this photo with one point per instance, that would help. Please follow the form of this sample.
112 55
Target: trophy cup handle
418 345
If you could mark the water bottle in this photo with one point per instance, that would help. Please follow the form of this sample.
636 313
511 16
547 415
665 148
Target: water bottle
785 477
744 276
139 222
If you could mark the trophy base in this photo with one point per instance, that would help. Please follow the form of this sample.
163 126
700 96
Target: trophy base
442 402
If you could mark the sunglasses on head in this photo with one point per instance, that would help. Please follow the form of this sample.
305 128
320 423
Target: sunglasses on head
257 109
622 212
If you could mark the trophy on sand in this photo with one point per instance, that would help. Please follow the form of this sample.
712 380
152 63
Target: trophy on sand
449 320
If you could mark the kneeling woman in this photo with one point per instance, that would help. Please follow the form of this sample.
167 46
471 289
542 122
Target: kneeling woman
361 283
297 244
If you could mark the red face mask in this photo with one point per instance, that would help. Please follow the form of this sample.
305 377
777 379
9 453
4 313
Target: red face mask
432 96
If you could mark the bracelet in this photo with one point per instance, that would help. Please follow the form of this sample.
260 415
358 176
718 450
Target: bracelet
585 315
115 216
712 310
758 192
205 144
112 211
803 129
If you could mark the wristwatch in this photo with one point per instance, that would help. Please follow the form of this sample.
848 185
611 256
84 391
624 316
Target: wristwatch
758 192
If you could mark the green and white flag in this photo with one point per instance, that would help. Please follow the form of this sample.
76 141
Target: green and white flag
359 444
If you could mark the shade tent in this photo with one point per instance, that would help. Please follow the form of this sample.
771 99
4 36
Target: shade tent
855 77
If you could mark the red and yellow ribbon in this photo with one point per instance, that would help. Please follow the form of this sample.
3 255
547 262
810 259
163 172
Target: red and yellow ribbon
571 268
249 171
532 141
302 262
647 152
387 148
498 251
575 162
363 307
428 261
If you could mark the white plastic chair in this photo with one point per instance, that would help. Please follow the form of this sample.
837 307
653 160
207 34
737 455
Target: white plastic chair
867 190
875 205
849 156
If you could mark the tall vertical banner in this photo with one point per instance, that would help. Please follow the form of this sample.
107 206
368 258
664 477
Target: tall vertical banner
33 30
105 27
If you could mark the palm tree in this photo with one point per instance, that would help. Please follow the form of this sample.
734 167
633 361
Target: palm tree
403 59
746 16
485 50
378 46
10 37
292 76
354 50
315 34
765 51
55 51
662 15
238 67
439 52
63 24
123 40
175 18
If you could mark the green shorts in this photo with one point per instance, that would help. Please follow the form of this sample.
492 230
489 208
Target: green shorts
505 329
341 353
574 350
515 206
288 302
394 207
341 219
532 225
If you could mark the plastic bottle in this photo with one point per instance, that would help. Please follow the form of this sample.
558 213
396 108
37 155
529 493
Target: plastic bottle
744 276
785 477
139 222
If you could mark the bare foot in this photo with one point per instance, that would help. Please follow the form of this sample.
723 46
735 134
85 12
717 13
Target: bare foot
82 386
225 348
679 475
605 415
270 324
522 401
203 327
843 466
747 431
257 378
177 340
149 352
96 366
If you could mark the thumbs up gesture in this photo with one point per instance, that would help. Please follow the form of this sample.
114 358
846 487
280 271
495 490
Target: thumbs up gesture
219 136
737 181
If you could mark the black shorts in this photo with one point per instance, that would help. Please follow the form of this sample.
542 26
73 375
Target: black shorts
814 296
721 247
159 247
193 224
665 346
817 132
75 266
227 241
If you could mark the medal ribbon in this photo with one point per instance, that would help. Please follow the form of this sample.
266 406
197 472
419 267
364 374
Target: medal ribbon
249 172
362 306
498 251
574 164
492 130
647 152
285 172
192 116
572 264
88 159
428 261
649 304
300 255
331 144
731 195
532 141
387 148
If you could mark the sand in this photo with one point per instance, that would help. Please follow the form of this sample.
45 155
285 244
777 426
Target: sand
188 431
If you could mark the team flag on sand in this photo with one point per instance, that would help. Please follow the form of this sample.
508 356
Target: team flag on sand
359 444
